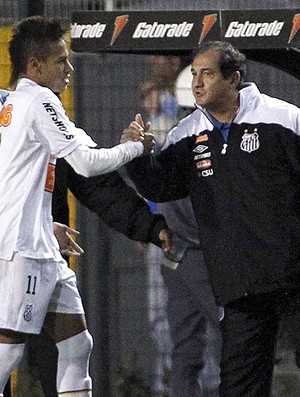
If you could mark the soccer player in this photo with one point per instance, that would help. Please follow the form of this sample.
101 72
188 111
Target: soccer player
36 286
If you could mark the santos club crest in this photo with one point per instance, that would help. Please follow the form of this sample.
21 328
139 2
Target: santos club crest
250 142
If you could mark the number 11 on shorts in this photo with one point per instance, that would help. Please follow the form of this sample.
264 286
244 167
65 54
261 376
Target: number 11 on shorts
31 285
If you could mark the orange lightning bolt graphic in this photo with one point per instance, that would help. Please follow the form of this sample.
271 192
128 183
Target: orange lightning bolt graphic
295 28
120 23
207 23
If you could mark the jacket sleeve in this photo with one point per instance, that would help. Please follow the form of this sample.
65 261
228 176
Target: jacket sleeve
60 206
118 205
163 177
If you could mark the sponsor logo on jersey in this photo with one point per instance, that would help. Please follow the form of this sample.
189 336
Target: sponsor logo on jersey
254 29
28 312
250 141
208 22
200 149
202 138
202 156
120 23
158 30
59 124
50 179
87 31
6 115
201 165
295 27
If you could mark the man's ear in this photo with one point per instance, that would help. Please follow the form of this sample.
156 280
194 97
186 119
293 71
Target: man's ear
236 78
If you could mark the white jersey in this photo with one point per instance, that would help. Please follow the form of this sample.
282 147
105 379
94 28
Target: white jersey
34 131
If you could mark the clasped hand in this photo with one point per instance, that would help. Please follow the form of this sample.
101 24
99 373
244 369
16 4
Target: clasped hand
138 131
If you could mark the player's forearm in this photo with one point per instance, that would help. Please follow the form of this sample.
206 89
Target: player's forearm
90 162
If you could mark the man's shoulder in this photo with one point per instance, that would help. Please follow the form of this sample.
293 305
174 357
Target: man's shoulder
269 100
189 126
278 103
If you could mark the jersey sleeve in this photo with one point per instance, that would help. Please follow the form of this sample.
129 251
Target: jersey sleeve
54 128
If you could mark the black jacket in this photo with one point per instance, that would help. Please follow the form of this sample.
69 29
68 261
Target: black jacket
116 203
244 192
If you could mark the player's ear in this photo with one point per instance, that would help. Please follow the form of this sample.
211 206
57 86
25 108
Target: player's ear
34 65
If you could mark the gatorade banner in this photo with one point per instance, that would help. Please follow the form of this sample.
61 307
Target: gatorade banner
261 29
136 31
174 31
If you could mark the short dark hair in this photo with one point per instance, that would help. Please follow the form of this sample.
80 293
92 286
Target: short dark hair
231 59
31 37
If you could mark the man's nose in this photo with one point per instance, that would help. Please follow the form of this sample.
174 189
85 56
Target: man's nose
199 80
70 67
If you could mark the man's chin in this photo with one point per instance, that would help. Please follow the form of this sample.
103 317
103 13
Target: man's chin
61 88
200 103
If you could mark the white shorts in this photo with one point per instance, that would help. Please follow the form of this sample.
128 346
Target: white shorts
29 288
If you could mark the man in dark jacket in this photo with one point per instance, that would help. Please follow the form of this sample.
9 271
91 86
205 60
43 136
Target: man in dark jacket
238 158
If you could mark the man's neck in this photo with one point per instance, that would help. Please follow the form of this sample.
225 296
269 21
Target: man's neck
227 112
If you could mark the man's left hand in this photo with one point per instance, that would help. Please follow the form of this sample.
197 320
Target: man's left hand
165 236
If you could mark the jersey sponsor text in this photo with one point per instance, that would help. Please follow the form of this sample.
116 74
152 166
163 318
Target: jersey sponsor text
60 124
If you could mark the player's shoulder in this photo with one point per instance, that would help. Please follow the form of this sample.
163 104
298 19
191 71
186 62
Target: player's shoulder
31 88
4 94
13 97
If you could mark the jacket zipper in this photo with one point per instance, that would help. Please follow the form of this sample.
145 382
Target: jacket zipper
224 149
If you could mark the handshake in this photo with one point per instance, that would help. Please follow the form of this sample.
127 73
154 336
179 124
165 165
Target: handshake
138 131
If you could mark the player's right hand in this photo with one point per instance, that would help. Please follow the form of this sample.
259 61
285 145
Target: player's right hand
138 131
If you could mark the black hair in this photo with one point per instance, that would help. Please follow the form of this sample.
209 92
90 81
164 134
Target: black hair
31 38
231 59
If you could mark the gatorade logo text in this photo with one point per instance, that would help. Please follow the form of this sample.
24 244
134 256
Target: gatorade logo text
87 31
159 30
248 29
